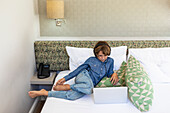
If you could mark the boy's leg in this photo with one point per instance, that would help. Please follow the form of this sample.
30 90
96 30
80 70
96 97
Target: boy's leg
63 87
69 95
83 83
34 94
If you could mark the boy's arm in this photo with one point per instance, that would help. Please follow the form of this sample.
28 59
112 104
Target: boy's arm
75 72
114 77
110 71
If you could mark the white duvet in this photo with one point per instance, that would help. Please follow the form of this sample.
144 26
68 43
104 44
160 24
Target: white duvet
86 104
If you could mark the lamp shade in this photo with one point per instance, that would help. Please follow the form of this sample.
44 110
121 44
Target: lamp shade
55 9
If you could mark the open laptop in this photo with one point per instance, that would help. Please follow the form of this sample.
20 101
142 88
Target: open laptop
110 95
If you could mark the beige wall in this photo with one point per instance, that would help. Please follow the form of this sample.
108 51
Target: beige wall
109 18
19 27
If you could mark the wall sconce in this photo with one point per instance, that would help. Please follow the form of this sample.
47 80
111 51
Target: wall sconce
55 10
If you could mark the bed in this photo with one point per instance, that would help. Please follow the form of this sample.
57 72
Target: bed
86 104
54 53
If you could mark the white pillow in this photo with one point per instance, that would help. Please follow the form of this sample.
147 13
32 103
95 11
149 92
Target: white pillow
155 74
155 62
165 68
78 56
119 55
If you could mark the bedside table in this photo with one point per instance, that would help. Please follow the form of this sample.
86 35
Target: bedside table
46 83
38 84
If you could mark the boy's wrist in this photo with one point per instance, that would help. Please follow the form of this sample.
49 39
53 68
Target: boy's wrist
115 71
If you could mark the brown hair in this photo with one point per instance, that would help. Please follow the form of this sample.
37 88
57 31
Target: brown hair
102 46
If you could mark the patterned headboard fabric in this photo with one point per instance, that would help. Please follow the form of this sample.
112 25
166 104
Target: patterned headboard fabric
54 52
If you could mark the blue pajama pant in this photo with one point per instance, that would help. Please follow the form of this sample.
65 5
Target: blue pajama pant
83 86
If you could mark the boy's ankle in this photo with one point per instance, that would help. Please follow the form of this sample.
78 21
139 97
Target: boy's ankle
44 92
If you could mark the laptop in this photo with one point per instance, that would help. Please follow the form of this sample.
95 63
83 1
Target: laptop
110 95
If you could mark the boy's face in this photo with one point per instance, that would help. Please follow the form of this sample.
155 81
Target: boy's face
101 56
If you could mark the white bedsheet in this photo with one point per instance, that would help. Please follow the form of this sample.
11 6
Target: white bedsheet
86 104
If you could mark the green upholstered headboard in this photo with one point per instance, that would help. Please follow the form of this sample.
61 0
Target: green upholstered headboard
54 52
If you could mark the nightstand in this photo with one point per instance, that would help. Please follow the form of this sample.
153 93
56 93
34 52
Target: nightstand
38 84
46 83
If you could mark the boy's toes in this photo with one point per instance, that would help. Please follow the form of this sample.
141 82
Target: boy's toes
54 88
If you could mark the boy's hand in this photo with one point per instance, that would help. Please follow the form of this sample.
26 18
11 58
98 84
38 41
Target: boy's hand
114 78
61 81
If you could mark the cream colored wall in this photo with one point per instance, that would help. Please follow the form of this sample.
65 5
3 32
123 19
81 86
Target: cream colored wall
19 27
109 18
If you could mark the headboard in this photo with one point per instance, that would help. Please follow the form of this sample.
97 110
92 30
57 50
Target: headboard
54 52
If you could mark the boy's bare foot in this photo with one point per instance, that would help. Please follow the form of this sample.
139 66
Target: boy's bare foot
34 94
64 87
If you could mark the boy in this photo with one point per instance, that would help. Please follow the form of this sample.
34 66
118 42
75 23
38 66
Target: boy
88 75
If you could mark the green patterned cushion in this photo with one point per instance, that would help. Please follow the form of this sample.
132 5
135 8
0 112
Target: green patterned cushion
105 82
139 85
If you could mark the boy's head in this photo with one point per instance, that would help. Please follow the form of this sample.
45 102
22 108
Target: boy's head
102 50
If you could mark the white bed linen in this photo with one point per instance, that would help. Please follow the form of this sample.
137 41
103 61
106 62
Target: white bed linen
86 104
